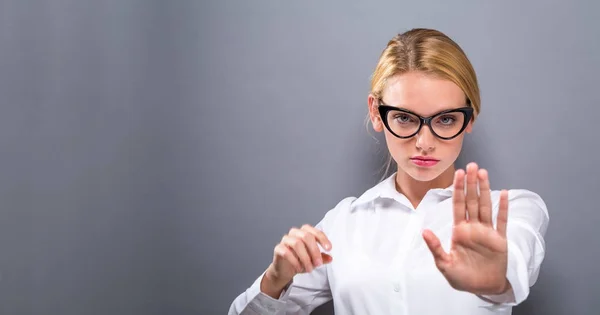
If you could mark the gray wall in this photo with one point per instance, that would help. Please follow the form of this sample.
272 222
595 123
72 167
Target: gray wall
154 152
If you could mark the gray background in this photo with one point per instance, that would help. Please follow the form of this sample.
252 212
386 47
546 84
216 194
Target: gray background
154 152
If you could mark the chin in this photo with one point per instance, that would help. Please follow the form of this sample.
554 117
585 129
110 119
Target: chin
423 174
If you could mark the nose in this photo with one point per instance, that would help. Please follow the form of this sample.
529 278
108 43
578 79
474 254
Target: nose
425 139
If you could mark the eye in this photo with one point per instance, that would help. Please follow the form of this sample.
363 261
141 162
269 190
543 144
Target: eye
447 120
403 118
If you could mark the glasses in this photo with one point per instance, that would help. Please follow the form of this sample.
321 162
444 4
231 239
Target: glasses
445 125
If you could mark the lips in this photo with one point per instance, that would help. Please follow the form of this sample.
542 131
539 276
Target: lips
422 158
424 161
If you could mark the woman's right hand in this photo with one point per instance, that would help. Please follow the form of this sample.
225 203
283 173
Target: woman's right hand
297 252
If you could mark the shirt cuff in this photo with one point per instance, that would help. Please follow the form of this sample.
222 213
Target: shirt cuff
517 276
263 304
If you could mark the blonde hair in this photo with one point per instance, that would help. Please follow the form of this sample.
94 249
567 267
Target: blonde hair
431 52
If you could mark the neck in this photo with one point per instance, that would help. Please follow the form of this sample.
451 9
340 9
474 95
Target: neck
415 190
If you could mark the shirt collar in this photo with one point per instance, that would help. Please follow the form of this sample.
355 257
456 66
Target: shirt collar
387 189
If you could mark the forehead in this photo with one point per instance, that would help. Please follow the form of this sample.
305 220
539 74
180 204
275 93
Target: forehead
423 94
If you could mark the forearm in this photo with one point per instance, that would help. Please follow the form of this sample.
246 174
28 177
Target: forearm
272 286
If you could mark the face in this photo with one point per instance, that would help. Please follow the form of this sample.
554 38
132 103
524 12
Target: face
425 96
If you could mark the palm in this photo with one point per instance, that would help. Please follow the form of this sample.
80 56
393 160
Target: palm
478 256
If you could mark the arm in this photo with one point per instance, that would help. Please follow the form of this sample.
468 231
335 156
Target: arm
497 248
306 292
527 224
301 296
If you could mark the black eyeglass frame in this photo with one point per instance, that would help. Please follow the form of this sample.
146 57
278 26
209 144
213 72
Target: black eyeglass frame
384 109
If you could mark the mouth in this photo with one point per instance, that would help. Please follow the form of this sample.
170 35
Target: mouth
424 161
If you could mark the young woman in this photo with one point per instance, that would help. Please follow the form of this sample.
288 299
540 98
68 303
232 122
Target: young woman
430 239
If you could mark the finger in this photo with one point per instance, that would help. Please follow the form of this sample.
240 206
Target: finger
502 213
472 196
458 197
485 198
310 242
326 258
319 235
298 247
434 245
282 252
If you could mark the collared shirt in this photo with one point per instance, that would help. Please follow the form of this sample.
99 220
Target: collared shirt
381 264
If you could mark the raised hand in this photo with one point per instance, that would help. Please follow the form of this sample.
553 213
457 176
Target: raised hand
478 256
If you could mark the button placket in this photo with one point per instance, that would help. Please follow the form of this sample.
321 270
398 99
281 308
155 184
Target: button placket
413 231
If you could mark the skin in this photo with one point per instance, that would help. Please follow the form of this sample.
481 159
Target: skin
477 261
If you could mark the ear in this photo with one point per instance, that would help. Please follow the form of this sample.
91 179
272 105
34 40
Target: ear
374 113
469 128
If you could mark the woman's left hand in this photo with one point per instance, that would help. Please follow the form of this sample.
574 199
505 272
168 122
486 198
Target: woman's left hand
478 255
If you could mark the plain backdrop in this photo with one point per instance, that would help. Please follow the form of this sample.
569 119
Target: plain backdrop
154 152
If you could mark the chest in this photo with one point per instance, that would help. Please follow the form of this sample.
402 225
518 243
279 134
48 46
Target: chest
382 265
379 252
384 234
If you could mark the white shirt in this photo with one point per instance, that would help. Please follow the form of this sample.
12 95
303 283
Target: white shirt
381 264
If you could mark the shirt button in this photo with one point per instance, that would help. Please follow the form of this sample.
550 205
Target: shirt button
397 287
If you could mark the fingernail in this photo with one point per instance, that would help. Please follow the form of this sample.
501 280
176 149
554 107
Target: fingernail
319 262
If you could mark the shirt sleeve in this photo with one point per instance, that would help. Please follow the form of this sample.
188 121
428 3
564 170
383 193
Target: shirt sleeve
526 227
305 293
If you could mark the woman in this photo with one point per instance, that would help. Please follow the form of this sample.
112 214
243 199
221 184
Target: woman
429 239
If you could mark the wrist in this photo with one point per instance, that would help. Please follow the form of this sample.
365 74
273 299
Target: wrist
499 290
272 285
506 287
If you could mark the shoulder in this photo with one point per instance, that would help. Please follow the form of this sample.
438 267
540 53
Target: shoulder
342 207
346 205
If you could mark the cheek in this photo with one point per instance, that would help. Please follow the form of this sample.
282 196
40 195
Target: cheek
452 148
399 148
